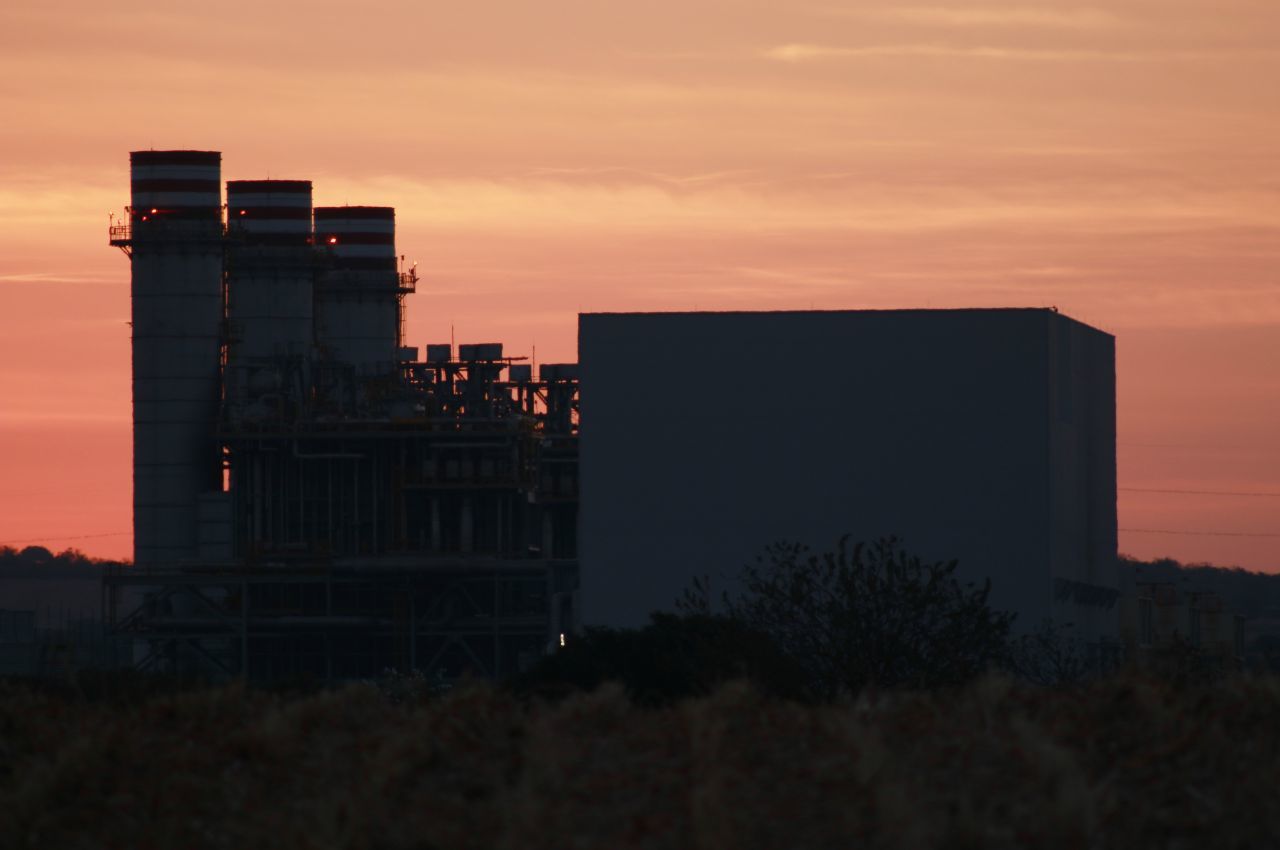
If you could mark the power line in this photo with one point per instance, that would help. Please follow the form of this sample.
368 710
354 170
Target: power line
1193 447
50 537
1262 494
1199 533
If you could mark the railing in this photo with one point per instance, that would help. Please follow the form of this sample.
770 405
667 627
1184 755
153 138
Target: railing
409 282
122 233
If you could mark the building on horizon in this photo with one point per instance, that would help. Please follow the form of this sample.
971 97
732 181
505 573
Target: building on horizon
314 497
983 435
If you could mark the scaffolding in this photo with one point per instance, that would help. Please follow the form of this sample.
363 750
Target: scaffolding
353 620
350 541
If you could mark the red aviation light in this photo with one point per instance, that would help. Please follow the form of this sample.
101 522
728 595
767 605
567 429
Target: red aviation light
333 240
153 212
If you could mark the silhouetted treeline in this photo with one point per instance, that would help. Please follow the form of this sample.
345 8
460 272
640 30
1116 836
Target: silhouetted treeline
1255 595
41 560
805 624
812 626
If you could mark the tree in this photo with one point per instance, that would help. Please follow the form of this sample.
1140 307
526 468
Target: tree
35 555
866 615
1052 655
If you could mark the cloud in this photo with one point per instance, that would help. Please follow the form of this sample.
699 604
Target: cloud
553 205
619 175
54 278
1072 19
801 52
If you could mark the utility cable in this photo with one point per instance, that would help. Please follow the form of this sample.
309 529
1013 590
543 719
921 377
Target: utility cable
1199 533
1261 494
50 537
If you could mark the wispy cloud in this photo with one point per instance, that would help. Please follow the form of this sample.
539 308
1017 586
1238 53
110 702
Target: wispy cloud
613 175
51 278
1071 19
800 52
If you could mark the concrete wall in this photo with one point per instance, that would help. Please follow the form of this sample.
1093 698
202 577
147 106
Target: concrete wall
706 436
1082 444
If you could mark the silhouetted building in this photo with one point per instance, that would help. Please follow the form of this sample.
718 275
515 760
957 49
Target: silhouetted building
52 621
982 435
311 498
314 497
1178 628
176 252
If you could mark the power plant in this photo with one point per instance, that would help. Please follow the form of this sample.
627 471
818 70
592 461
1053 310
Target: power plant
313 499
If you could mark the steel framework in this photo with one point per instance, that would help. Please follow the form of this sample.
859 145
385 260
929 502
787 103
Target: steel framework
342 621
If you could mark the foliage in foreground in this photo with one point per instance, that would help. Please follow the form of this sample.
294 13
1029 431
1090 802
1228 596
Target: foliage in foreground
867 615
672 658
815 626
1123 762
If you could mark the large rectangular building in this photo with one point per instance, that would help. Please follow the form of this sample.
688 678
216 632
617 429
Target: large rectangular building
982 435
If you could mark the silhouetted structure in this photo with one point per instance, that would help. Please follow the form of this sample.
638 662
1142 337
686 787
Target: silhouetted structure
175 248
982 435
52 622
1178 627
311 498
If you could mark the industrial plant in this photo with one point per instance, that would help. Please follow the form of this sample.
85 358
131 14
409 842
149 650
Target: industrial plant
986 436
314 497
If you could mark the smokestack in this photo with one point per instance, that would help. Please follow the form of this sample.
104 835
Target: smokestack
270 272
176 241
358 297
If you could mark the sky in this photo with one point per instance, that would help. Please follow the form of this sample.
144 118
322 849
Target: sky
1117 161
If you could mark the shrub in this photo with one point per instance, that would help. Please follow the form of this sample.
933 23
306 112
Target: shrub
867 615
672 658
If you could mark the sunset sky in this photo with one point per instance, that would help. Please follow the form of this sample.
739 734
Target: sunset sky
1118 161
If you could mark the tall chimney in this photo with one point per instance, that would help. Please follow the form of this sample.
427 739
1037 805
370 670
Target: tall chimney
176 251
270 274
358 296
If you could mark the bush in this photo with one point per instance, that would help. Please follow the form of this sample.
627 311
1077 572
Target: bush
1052 655
672 658
867 615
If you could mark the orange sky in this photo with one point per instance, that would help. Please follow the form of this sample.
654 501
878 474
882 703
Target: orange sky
1118 161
